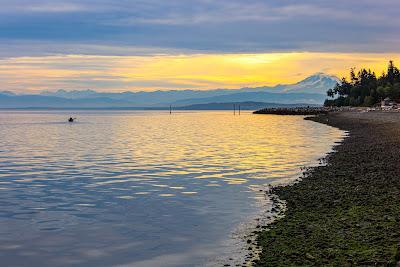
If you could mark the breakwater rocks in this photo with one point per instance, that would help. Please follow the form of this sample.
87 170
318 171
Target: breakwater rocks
293 111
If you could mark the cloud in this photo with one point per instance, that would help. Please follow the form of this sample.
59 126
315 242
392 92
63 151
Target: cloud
166 72
56 7
135 27
35 48
23 7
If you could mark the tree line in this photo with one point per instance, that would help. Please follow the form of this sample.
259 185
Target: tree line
365 89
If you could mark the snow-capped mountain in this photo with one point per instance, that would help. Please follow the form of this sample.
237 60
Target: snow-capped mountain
318 83
311 90
75 94
8 93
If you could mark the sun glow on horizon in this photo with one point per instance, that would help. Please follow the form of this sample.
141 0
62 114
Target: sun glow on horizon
176 72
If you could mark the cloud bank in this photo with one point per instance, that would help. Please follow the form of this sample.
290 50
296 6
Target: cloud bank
117 45
223 26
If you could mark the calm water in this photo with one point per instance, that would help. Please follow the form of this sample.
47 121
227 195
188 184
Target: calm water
133 188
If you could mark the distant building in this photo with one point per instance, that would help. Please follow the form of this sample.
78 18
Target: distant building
388 103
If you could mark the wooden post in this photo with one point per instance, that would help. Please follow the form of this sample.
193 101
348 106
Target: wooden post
170 109
239 109
234 109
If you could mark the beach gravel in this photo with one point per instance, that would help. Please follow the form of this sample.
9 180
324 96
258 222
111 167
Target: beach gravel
345 213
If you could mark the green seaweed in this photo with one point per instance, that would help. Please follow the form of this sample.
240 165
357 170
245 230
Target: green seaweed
346 213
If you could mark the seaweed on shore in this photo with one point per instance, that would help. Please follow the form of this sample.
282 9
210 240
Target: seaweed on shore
346 213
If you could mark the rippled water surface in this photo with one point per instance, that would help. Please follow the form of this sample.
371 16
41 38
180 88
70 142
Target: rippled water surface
131 188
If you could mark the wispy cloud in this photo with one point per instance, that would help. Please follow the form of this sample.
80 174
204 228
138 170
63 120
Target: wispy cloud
56 7
165 72
24 7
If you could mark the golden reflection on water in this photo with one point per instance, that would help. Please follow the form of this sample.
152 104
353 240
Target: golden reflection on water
153 149
170 182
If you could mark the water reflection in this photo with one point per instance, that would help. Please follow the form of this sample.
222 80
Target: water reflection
121 188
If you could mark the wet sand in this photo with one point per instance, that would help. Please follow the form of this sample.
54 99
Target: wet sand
346 212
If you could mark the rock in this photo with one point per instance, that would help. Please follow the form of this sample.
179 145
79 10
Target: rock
309 256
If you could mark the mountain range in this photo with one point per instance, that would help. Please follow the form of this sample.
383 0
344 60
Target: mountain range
311 90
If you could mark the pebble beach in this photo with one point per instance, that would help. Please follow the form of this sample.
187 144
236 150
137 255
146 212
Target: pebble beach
346 212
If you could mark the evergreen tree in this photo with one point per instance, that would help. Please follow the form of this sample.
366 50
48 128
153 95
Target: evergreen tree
365 89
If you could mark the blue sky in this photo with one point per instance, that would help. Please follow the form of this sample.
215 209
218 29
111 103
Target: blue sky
32 28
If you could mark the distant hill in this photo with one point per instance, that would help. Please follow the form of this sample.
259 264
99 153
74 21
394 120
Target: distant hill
311 90
282 98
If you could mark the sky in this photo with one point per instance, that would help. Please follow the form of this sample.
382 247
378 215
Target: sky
145 45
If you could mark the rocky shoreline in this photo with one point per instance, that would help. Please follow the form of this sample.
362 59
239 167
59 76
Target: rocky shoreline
307 111
346 212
